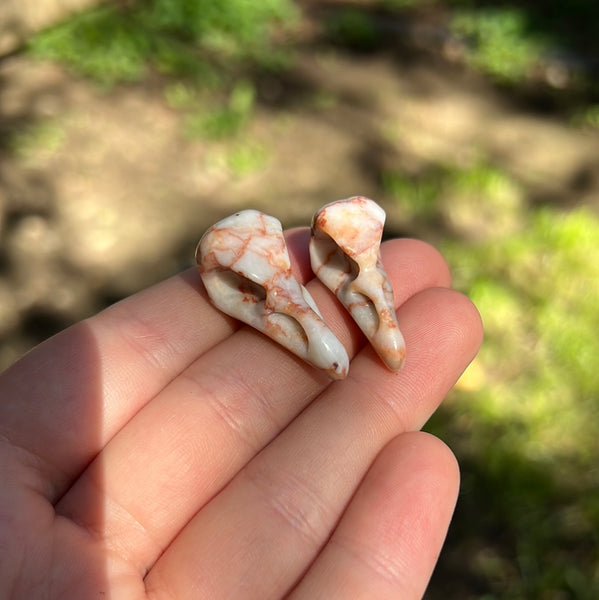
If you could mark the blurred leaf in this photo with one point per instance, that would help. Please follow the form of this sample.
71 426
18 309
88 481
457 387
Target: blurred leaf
354 28
499 41
112 44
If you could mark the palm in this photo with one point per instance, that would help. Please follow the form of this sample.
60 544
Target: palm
157 450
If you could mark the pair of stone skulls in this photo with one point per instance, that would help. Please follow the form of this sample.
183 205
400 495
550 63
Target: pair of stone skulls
245 268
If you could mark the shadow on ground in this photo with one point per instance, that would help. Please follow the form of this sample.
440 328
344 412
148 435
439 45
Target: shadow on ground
106 190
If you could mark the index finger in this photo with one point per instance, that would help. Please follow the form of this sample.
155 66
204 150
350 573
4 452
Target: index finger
65 400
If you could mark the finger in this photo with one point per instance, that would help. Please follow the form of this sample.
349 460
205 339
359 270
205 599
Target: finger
389 539
278 512
65 399
188 442
69 395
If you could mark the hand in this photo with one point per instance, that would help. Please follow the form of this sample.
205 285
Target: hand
159 450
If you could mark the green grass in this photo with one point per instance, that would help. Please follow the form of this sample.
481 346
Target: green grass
534 275
500 41
201 47
38 138
512 41
587 117
524 420
179 37
454 196
247 157
403 4
537 290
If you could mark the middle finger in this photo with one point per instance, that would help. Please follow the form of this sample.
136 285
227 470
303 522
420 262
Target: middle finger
257 537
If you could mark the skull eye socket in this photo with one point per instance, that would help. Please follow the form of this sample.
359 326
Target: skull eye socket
244 266
329 253
238 284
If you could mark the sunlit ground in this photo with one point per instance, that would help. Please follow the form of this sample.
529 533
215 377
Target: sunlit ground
475 126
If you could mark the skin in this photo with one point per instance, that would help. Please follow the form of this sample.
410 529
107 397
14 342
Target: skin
159 450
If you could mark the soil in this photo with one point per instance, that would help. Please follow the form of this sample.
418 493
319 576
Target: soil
103 193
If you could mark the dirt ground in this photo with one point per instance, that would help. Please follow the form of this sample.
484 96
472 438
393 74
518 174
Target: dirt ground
102 193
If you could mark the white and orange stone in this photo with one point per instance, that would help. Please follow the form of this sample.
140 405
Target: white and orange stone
345 256
245 268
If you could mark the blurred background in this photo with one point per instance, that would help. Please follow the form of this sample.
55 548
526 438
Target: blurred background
128 127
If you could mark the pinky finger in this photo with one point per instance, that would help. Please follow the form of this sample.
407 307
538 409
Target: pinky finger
388 541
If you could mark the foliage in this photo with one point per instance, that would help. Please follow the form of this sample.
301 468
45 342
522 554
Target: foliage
500 42
509 40
401 4
534 275
44 137
524 420
224 121
353 28
453 195
528 405
537 291
588 116
202 47
240 158
181 37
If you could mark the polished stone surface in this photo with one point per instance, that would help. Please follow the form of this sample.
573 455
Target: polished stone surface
245 267
345 256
